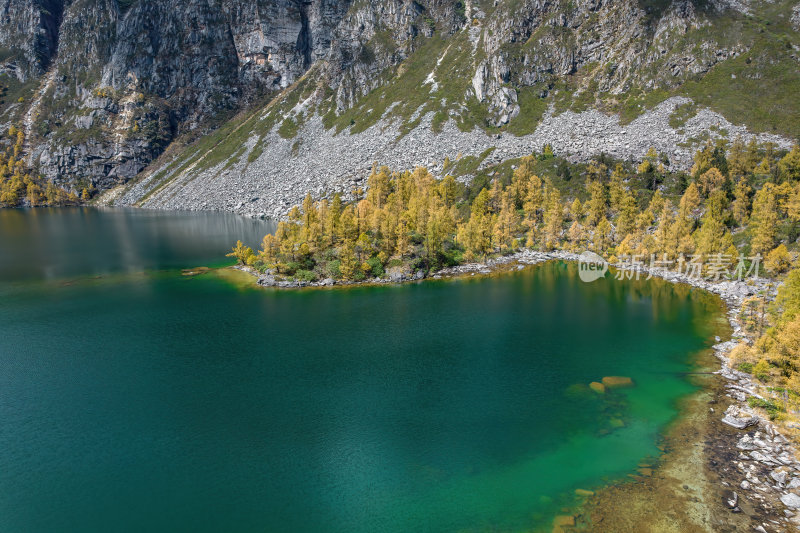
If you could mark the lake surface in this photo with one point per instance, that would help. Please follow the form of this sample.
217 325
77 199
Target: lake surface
133 398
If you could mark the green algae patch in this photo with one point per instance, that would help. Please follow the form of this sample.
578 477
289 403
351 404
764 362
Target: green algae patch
235 277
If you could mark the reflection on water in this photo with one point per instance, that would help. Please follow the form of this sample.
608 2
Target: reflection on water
41 243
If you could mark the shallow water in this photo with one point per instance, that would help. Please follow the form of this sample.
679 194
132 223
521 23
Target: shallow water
138 399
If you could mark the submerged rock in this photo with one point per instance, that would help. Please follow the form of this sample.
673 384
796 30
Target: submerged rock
617 381
597 387
564 521
732 499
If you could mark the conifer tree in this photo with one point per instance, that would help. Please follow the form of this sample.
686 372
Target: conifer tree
602 236
596 209
553 217
475 235
627 215
763 221
778 260
242 253
616 189
713 237
532 207
711 180
741 202
739 161
690 202
789 165
506 225
656 203
665 241
576 210
576 236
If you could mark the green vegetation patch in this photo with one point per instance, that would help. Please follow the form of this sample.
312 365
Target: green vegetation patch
681 114
773 410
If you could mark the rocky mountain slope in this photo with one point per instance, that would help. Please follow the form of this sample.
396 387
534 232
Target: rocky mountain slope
246 105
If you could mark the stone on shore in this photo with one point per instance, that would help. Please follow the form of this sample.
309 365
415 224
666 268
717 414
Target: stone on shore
740 423
791 500
740 419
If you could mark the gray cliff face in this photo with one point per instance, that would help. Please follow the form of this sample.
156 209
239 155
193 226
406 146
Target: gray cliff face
30 36
625 37
377 35
125 78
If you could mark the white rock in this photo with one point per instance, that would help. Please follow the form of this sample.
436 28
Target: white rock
791 500
779 477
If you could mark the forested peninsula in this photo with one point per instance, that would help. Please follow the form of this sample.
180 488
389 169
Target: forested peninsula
738 203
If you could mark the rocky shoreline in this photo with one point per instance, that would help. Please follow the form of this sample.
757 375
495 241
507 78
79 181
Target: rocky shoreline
760 465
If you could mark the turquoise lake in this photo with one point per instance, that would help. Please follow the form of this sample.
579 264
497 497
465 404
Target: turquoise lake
134 398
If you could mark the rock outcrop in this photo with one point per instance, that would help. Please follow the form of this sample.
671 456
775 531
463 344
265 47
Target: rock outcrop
128 77
29 37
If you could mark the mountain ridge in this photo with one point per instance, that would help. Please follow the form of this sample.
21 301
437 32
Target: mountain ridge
128 86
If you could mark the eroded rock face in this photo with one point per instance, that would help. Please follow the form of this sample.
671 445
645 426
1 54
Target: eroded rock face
622 35
374 36
163 68
29 35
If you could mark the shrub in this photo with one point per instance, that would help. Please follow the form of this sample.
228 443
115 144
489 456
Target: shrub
375 267
305 275
761 370
334 269
772 409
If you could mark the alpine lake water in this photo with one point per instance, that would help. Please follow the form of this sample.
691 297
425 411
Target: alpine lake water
134 397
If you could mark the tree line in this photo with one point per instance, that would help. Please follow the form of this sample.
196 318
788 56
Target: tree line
742 199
